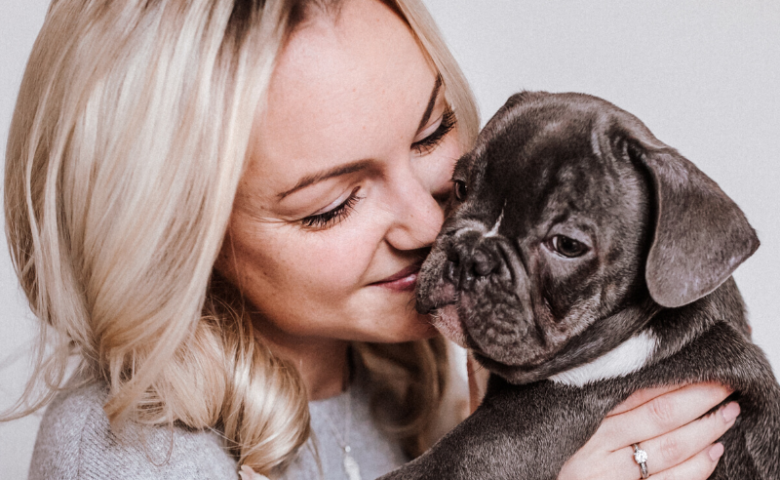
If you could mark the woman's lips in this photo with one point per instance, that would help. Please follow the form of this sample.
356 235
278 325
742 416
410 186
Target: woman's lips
403 281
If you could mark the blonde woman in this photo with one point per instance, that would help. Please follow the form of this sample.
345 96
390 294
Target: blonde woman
217 209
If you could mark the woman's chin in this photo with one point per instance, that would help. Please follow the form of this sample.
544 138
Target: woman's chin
427 330
418 327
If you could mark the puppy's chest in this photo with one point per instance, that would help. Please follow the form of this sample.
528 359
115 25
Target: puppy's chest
625 359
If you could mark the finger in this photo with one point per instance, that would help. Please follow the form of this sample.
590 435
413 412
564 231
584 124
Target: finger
662 414
640 397
676 447
699 467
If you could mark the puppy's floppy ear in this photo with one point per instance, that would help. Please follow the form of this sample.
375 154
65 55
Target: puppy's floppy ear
701 235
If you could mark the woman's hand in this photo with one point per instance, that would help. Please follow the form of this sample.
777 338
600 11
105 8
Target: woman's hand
247 473
665 423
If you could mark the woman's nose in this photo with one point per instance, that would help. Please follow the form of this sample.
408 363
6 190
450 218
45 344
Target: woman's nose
418 217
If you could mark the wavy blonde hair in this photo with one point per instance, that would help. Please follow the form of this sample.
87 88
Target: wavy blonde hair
127 144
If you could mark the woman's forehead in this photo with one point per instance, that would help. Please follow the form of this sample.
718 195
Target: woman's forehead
366 43
342 91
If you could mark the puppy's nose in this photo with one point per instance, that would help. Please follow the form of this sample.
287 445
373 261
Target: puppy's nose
465 265
483 263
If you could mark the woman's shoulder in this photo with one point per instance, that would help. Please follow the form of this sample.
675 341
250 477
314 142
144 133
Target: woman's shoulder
76 441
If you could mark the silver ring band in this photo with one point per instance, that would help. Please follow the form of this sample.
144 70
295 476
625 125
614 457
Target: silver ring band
640 457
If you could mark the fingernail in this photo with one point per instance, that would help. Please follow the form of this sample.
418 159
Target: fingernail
730 411
716 451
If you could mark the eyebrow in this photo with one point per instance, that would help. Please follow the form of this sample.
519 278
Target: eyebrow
356 166
431 102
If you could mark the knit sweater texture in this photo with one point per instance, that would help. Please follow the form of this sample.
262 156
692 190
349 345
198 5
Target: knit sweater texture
76 442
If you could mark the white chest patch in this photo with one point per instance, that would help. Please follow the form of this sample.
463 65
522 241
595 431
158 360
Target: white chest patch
626 358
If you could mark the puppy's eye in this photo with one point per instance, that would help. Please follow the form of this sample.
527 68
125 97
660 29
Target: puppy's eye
568 247
461 190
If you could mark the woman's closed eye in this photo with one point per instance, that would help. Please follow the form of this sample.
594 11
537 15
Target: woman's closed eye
431 141
334 215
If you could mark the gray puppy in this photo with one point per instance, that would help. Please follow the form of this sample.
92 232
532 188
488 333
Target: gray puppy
583 259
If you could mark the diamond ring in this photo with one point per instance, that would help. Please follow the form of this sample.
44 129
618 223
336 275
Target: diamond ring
640 457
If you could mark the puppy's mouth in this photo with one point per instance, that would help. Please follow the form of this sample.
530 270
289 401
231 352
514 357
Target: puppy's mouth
441 305
452 313
447 321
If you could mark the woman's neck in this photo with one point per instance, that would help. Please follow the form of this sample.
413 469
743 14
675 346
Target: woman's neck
322 363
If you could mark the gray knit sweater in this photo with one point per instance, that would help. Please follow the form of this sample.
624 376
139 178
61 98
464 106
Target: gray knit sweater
75 441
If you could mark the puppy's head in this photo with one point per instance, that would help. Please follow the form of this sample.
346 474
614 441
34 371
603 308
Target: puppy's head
567 212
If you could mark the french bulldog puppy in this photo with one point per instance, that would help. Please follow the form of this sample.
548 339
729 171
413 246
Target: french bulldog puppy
581 260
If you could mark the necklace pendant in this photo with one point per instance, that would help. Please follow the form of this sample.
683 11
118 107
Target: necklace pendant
351 466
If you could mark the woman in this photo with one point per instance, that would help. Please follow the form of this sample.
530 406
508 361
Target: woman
219 207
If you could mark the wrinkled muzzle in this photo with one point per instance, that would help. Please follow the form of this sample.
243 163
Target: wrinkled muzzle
476 287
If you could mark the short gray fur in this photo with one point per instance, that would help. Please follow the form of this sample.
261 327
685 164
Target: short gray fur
76 442
661 242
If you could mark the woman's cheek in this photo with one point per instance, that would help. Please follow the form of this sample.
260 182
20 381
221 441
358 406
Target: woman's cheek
340 260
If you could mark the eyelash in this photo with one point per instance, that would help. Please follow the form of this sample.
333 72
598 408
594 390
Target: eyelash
331 217
341 212
427 144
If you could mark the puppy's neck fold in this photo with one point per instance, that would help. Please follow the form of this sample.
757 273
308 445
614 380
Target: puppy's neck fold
627 357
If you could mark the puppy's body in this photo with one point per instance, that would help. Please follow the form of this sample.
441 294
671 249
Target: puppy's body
582 260
529 431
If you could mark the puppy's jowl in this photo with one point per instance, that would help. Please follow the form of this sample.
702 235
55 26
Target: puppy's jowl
583 259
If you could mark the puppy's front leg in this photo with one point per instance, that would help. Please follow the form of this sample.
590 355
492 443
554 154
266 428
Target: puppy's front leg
525 431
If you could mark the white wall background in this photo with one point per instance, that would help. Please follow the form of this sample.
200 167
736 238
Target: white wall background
20 21
704 76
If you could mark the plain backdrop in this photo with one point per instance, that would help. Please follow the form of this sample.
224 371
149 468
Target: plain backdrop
704 76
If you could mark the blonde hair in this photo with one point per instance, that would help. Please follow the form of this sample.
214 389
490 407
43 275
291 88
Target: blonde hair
125 151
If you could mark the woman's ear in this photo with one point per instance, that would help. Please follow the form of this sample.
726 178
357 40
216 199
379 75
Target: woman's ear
701 236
